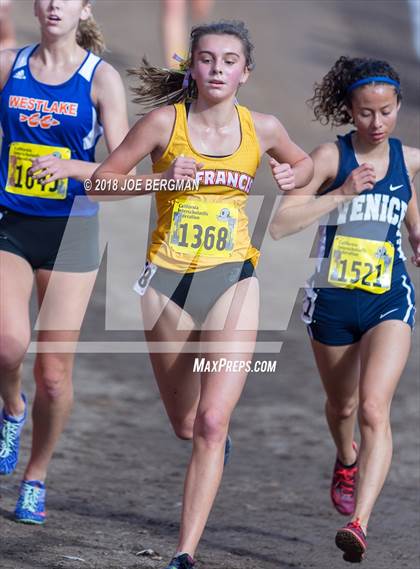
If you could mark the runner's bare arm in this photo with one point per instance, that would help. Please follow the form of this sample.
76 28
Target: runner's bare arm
412 223
108 95
150 135
299 208
412 217
412 160
141 140
297 167
7 58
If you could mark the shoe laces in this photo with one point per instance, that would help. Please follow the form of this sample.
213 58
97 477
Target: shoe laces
30 496
10 432
180 563
346 479
356 526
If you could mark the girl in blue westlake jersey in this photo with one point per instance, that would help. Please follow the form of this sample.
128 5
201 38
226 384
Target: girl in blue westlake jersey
359 306
57 98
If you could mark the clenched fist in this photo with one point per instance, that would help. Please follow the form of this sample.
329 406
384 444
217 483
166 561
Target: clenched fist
360 179
182 168
283 174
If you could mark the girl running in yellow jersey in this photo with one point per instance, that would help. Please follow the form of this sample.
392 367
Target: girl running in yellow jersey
199 284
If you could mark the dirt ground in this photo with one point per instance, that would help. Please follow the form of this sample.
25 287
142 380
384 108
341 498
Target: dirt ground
115 484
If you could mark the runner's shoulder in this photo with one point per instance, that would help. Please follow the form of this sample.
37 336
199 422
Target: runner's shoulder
106 72
326 157
265 124
270 131
107 83
326 150
7 58
412 160
162 118
156 125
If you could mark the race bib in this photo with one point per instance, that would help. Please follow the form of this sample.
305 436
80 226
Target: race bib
202 228
20 161
141 285
361 263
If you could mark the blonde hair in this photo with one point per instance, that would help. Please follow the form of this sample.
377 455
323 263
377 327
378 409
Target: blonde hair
89 34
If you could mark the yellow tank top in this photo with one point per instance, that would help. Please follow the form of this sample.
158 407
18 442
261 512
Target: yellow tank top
199 229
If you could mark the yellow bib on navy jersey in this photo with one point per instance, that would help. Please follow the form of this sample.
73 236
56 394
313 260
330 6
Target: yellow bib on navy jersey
200 229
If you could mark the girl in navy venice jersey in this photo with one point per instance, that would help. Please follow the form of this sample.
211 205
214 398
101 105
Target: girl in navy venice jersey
359 305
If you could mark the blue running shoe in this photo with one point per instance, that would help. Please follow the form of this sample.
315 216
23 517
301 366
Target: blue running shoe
10 430
228 450
183 561
30 507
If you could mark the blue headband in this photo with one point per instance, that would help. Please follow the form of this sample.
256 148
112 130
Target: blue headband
375 79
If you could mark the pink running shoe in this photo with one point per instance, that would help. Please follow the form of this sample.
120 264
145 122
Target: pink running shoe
343 487
352 540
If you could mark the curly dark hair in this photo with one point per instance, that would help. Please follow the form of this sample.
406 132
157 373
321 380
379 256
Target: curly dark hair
332 96
159 86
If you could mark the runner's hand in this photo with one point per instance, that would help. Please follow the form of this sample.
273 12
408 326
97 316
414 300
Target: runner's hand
283 174
361 179
50 168
182 168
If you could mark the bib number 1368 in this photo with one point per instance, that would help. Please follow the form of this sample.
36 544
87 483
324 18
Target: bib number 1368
208 237
205 228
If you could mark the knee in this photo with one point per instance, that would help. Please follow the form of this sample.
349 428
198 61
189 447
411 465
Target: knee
211 426
12 352
342 410
53 378
374 414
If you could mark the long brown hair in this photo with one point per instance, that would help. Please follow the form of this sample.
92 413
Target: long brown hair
159 86
89 35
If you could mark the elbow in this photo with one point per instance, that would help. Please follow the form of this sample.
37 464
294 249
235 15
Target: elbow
309 172
275 231
94 181
282 228
310 168
99 186
306 173
96 176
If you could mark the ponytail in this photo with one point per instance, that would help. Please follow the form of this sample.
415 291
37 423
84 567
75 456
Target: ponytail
89 36
158 86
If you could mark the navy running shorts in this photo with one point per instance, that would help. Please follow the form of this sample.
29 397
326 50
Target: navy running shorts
68 244
338 316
